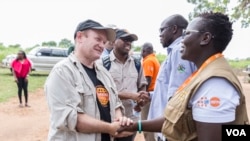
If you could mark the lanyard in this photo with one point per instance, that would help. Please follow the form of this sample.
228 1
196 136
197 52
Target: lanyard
208 61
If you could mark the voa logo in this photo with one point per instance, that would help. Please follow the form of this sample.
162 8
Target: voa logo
236 132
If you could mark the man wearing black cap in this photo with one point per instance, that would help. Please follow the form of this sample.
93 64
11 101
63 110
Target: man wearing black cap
130 81
81 94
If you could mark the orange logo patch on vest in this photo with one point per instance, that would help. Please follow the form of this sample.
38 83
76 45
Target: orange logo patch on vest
215 101
102 95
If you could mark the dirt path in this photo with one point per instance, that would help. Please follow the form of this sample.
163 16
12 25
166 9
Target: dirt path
31 124
24 124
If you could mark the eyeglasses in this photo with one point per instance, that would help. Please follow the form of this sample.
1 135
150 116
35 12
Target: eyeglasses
163 28
186 32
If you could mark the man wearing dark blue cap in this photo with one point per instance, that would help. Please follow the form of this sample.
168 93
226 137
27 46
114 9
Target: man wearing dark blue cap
128 76
81 94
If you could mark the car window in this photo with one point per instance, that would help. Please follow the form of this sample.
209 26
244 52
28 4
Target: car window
45 51
59 53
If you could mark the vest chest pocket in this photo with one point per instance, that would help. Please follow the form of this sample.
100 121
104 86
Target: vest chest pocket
178 125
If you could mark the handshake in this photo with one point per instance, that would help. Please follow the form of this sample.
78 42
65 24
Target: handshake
142 99
121 127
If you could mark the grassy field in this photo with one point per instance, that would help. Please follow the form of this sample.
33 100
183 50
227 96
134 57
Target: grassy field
8 87
239 64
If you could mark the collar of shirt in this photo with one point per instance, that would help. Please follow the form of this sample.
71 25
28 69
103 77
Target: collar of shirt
148 56
112 57
78 64
101 72
174 44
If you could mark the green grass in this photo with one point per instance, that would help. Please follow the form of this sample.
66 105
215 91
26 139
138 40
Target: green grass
161 57
8 87
239 64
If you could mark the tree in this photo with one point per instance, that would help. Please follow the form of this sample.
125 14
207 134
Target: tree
49 43
30 48
15 46
240 12
65 43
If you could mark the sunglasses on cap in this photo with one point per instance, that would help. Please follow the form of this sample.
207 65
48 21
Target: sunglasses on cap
127 39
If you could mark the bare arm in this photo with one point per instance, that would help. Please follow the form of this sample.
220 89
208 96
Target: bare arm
87 124
27 76
208 131
118 113
128 95
149 80
14 75
154 125
29 71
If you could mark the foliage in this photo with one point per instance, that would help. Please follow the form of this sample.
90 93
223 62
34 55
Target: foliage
161 57
8 88
65 43
15 46
239 64
49 43
7 50
136 48
241 11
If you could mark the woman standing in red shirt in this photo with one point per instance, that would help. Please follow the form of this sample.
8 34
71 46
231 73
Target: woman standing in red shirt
21 67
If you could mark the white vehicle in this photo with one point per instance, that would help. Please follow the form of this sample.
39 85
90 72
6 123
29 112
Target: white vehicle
247 70
136 54
6 62
44 58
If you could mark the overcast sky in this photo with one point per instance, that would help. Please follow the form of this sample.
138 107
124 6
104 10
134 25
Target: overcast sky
30 22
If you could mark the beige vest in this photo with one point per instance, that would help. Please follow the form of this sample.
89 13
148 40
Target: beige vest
179 124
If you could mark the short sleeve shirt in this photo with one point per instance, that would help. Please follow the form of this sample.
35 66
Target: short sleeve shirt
21 69
215 101
127 79
151 68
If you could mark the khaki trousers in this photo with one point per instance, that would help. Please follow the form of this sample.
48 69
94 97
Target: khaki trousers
149 136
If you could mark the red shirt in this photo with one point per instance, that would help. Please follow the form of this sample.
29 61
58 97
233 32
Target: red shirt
21 69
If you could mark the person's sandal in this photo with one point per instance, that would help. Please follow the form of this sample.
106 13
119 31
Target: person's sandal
21 105
26 105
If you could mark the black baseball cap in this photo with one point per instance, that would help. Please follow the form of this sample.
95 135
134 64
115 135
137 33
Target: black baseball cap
90 24
124 34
